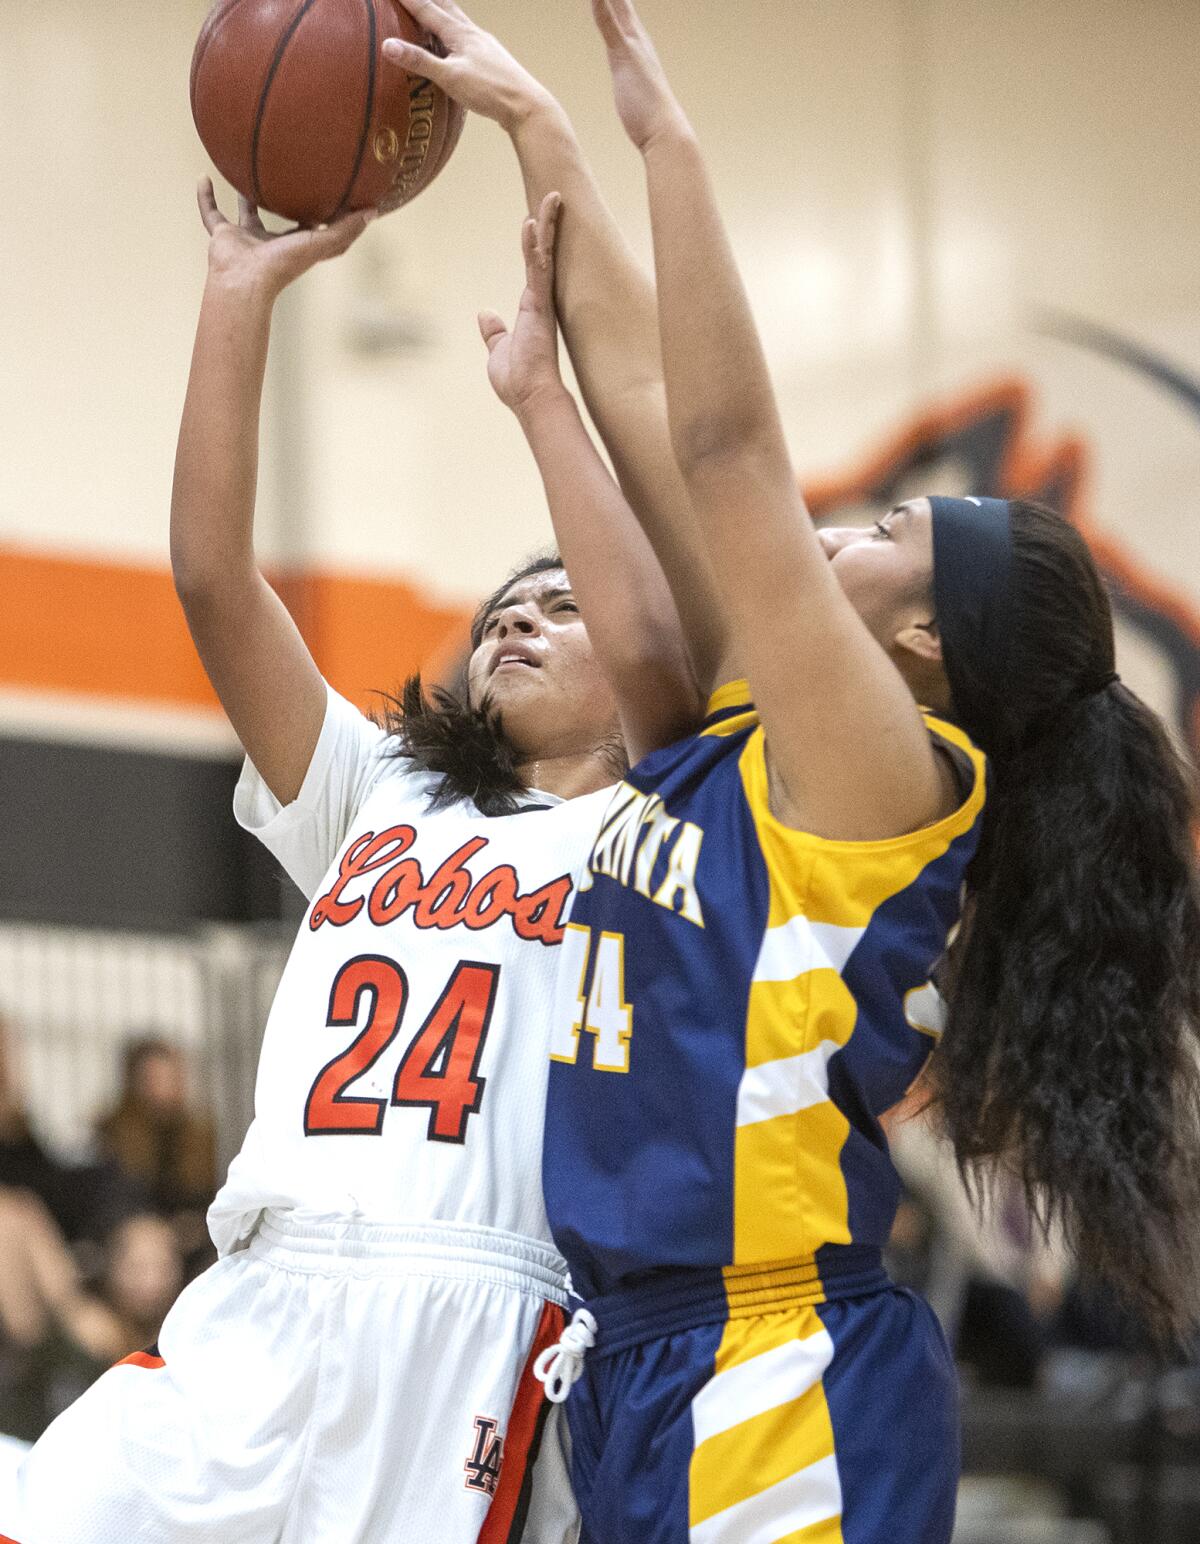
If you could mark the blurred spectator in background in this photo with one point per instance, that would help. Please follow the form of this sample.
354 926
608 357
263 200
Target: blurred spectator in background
161 1143
83 1200
59 1332
24 1163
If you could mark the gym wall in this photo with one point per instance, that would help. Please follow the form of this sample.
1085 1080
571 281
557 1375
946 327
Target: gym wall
970 231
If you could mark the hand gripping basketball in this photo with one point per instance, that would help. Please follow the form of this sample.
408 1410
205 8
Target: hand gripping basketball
298 111
474 69
247 253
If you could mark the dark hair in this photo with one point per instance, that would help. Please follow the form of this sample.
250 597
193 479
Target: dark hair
442 733
1072 1042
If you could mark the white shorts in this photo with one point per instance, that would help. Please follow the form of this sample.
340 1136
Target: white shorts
334 1383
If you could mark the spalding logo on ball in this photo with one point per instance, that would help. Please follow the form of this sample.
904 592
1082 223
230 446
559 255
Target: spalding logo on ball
299 111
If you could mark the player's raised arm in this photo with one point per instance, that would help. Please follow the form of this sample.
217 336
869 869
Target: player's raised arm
849 752
254 655
625 601
606 305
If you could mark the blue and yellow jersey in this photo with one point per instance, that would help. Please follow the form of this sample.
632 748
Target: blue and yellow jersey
738 1004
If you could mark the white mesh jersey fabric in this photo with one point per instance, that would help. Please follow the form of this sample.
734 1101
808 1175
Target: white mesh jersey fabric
424 970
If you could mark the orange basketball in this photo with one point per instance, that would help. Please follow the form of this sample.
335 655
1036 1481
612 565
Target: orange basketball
300 112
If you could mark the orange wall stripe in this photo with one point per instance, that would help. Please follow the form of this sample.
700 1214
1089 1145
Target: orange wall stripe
116 631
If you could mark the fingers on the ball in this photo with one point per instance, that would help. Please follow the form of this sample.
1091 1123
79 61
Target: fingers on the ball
415 59
248 215
206 199
343 233
430 15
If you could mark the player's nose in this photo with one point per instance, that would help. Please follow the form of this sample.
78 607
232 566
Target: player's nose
834 537
516 619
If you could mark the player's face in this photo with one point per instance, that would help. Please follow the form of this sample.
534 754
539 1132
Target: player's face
886 569
534 666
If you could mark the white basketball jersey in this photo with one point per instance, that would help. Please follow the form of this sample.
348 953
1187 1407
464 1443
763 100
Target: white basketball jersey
404 1066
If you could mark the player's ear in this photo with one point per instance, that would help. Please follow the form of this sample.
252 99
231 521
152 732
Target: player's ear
921 640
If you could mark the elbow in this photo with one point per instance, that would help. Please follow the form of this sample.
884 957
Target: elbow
204 583
197 581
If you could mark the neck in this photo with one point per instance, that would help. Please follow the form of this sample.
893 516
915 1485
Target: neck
570 775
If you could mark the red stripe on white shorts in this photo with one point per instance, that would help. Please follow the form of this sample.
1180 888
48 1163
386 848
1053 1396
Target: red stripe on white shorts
506 1515
138 1359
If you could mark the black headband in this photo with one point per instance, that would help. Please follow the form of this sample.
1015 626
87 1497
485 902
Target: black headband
972 599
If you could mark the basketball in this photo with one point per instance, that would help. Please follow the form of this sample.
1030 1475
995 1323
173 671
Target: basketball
299 111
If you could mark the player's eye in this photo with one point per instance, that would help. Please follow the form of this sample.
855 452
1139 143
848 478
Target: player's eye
881 531
567 605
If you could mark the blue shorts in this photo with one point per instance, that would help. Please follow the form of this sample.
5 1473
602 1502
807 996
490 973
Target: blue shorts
719 1412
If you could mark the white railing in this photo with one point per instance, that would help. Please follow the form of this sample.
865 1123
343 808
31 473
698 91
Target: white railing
73 998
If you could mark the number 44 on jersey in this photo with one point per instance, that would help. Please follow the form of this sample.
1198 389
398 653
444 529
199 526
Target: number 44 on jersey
604 1012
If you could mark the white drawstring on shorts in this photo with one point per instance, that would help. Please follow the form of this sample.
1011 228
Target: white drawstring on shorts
561 1365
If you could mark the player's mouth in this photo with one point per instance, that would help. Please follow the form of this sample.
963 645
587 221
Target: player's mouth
515 656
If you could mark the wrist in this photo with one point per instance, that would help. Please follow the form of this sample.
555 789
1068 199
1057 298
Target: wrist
544 402
535 112
247 291
672 133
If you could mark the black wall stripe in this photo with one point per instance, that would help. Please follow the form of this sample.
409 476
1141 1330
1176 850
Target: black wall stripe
98 836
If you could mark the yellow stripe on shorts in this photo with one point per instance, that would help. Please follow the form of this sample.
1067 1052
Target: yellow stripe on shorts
763 1470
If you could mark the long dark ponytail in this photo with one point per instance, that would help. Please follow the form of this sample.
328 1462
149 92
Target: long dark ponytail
1072 1043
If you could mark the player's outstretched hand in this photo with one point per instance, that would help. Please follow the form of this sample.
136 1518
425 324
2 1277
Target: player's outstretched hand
646 105
248 253
476 69
523 363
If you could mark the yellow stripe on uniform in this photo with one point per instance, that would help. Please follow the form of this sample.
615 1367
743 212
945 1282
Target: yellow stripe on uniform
734 694
789 1191
764 1469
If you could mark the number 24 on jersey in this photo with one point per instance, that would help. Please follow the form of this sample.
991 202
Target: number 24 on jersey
440 1069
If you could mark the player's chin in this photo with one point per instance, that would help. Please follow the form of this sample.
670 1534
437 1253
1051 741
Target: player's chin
515 682
508 688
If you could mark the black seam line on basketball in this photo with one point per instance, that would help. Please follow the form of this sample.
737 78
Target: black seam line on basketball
211 27
255 187
372 27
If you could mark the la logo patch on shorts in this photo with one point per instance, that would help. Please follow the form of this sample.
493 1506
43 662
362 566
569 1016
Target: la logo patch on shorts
487 1455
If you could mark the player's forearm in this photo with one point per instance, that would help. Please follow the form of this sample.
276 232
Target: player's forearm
719 394
216 462
605 299
609 318
617 580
